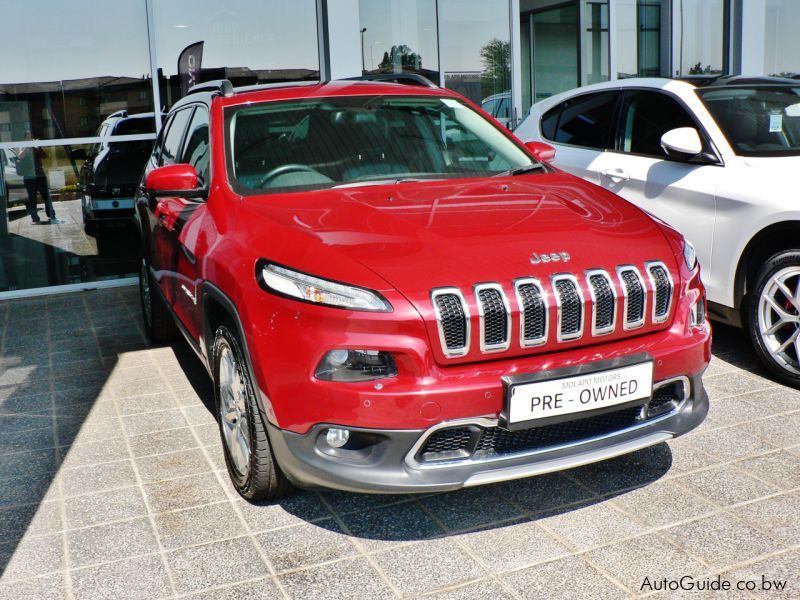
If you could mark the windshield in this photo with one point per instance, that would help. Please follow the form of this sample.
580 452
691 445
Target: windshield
757 121
328 142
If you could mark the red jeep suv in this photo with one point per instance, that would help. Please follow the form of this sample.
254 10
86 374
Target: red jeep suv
393 294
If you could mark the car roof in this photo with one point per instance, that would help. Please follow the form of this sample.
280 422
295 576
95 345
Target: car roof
312 89
675 86
747 80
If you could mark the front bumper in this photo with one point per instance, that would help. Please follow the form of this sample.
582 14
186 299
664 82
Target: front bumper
388 465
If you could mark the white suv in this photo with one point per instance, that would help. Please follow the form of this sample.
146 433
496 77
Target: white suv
716 162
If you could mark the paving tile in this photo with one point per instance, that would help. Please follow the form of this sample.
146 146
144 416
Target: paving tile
662 503
730 384
720 540
781 570
687 458
110 542
781 468
512 546
208 434
143 404
198 415
80 430
172 465
544 492
562 579
486 588
778 516
14 403
776 430
730 443
773 401
49 586
23 441
343 580
725 485
305 545
381 527
343 503
262 589
161 442
25 421
185 492
26 490
155 421
650 556
198 525
220 563
17 521
470 508
93 453
32 556
300 507
591 525
113 505
131 579
24 464
84 480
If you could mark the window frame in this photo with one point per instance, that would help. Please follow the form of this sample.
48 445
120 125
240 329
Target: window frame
184 145
168 128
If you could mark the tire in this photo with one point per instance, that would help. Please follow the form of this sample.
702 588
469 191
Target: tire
773 318
158 324
251 463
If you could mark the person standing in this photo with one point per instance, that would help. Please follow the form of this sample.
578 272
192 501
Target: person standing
29 166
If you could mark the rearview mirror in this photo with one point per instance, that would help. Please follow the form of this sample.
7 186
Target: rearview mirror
541 151
682 143
174 180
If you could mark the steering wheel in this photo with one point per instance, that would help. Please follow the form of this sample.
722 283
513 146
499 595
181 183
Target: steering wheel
283 170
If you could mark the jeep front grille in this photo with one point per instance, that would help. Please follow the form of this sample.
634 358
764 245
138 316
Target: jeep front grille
591 304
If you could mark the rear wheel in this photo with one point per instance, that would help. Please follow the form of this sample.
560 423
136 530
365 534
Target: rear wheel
248 455
158 323
774 316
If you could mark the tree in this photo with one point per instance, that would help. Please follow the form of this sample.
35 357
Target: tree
400 55
496 58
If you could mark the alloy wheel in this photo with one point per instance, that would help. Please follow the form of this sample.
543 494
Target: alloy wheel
233 410
779 318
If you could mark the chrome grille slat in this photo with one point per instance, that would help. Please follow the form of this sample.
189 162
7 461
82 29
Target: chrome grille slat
604 301
452 316
569 304
495 317
532 303
663 290
635 294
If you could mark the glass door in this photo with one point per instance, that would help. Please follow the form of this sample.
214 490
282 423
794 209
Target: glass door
556 65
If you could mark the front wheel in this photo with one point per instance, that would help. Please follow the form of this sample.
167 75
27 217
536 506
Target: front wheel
773 317
248 455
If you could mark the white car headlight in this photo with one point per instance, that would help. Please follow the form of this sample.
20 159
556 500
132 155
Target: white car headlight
689 255
316 290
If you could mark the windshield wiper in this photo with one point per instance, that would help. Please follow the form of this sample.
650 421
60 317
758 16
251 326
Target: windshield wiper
522 170
388 181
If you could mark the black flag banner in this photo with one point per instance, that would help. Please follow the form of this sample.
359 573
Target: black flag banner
189 66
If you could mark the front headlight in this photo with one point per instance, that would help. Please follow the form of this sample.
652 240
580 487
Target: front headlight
307 288
689 255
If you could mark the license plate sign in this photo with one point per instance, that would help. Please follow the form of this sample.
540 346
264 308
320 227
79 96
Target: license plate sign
579 393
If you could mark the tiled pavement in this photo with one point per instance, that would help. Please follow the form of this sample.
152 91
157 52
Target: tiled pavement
112 484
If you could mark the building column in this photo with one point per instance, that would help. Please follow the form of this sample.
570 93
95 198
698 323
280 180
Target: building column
339 39
516 63
754 17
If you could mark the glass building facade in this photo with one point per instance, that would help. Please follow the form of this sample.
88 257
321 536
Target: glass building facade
83 83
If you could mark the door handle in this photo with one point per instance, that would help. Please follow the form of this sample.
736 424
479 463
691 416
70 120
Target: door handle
615 174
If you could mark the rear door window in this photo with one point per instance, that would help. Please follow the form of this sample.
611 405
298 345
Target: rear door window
173 139
583 121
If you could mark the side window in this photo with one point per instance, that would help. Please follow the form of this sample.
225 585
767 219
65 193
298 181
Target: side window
582 121
196 152
646 116
174 137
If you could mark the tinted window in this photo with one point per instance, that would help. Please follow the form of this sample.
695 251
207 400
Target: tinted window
583 121
174 136
135 126
646 116
196 152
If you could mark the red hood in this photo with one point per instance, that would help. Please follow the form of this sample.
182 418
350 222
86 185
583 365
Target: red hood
421 236
415 237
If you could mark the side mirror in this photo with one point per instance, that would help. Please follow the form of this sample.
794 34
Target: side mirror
541 151
174 180
682 144
79 154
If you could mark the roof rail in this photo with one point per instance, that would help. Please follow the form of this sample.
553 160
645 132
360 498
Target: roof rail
120 113
221 86
402 78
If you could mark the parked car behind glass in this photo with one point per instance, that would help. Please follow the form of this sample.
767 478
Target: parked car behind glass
720 163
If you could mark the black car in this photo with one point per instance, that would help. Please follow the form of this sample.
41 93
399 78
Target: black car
111 171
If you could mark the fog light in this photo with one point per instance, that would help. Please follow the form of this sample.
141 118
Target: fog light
336 437
356 365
